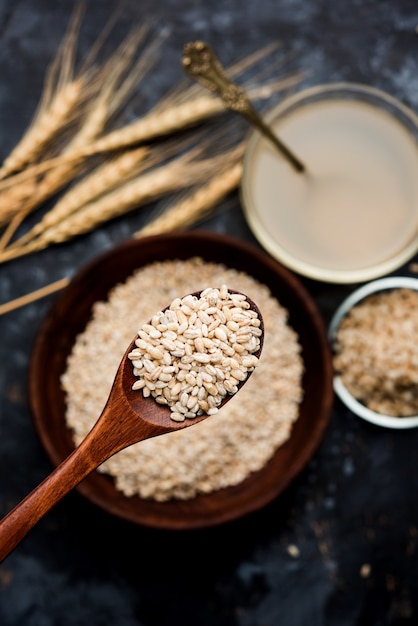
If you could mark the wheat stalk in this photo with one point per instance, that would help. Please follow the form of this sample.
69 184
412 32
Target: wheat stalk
59 106
62 94
18 202
151 126
116 88
183 214
159 122
21 199
196 205
152 185
100 181
109 191
33 296
113 174
105 178
179 173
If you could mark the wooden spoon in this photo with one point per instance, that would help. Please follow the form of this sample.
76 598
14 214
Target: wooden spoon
126 419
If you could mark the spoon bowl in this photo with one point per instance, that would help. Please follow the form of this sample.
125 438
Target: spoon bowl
127 418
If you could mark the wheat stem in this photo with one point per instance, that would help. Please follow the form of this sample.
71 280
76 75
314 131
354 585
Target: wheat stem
33 296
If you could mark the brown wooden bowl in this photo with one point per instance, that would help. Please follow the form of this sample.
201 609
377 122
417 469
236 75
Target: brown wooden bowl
69 316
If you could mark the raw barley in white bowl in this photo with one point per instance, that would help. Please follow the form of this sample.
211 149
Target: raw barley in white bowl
374 334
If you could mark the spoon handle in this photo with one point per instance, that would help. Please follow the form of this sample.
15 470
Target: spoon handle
200 62
118 427
16 524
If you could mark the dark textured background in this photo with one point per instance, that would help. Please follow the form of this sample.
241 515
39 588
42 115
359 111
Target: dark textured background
356 503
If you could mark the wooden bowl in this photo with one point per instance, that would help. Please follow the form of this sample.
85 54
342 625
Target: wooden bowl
69 316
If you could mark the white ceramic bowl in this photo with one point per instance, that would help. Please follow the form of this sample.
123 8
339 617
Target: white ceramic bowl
382 284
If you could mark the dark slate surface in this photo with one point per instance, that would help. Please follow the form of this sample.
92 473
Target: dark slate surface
354 507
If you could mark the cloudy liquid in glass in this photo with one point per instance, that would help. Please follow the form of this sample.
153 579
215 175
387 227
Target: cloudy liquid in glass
357 205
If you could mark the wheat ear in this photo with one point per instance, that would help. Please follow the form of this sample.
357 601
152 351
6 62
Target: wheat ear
47 127
104 179
161 121
151 126
58 106
175 175
132 195
103 107
196 205
181 215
